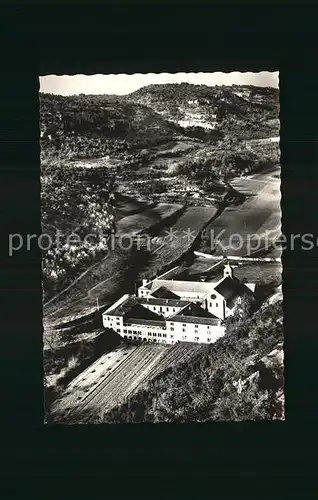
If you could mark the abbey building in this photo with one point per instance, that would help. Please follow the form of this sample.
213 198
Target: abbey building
168 311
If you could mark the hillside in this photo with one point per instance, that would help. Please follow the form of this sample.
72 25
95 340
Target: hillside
73 201
74 197
240 377
246 110
85 126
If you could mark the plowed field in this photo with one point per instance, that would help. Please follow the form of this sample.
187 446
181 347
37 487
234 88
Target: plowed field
115 376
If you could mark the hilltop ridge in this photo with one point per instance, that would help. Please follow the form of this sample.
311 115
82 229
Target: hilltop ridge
153 114
70 124
188 104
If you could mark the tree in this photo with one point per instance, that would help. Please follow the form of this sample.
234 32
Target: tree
159 186
245 307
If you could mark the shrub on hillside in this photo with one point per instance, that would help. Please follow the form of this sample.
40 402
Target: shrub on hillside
74 204
156 186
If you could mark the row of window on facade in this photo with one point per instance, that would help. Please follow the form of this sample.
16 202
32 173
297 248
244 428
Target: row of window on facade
174 310
196 331
139 332
184 326
172 327
134 336
160 308
155 334
144 339
109 318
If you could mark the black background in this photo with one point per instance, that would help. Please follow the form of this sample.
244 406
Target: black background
255 460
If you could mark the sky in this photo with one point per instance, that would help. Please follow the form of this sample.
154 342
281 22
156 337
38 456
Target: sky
124 84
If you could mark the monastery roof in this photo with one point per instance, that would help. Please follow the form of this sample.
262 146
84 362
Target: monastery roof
133 307
231 288
140 321
163 302
129 305
193 319
193 313
182 286
138 311
164 293
123 306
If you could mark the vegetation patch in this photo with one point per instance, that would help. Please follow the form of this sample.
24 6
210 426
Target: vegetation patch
144 221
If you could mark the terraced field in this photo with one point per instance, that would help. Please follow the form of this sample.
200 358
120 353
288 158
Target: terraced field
134 224
171 244
173 355
259 215
126 206
114 377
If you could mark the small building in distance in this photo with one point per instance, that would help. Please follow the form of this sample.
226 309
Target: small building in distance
169 311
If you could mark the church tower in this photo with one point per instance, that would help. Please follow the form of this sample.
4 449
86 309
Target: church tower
228 271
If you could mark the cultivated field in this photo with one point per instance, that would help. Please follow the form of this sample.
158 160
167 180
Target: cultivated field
128 206
134 224
259 272
173 355
172 243
66 354
183 233
258 215
201 265
114 377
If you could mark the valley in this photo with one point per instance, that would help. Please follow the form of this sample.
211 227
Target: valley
151 179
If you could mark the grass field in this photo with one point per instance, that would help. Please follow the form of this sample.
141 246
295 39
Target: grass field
172 244
134 224
258 215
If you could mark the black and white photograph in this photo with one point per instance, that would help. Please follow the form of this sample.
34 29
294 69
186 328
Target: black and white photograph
161 248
